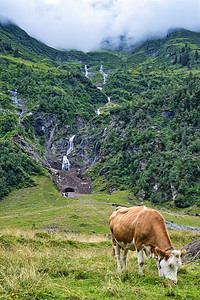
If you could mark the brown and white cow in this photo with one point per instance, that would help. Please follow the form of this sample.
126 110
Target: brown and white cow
142 228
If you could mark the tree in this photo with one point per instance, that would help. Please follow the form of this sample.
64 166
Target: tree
16 53
196 55
175 60
184 59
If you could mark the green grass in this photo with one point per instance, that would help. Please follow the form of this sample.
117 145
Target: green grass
36 265
52 247
42 206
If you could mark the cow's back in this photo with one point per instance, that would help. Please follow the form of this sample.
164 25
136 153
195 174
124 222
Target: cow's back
140 224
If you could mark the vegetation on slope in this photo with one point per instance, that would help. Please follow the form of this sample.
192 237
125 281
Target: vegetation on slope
16 168
32 86
152 140
152 143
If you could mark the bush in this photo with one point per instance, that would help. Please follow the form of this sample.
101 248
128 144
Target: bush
181 202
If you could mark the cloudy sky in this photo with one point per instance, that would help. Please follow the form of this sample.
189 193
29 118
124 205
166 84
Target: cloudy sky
83 24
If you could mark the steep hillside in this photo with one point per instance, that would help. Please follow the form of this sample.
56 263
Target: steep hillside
133 115
152 144
14 40
39 98
178 49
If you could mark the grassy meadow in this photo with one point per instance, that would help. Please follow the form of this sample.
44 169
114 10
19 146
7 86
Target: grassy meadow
52 247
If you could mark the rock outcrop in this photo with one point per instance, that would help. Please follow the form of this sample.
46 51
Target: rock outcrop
192 251
86 150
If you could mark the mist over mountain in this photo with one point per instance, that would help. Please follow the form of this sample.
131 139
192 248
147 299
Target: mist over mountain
85 24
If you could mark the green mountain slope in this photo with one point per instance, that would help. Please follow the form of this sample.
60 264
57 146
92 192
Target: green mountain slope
178 49
14 40
37 88
152 142
146 139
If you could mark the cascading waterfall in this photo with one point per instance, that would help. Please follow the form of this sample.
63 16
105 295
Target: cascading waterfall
14 97
71 144
65 162
104 132
86 71
21 115
97 148
99 109
104 74
96 153
18 102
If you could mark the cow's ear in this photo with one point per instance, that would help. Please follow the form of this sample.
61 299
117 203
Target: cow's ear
183 252
160 252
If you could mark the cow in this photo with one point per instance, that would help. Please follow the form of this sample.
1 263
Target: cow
143 229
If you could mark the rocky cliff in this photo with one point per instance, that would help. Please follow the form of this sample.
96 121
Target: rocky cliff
86 149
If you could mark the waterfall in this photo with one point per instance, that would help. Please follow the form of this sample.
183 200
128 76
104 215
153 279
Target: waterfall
96 153
16 101
14 97
104 74
98 111
65 162
86 71
70 145
97 148
21 115
104 132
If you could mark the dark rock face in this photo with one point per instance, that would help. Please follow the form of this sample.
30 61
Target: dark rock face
44 125
86 149
87 141
85 152
70 183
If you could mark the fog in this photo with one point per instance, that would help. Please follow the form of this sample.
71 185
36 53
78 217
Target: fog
84 24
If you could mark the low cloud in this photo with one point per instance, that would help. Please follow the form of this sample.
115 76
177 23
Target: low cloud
83 24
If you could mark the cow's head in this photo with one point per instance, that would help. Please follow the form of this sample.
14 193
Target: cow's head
169 262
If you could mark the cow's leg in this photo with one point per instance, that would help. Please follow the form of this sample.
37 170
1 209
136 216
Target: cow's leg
117 255
140 260
124 258
113 252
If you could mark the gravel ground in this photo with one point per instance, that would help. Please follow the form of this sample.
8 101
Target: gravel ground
181 227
